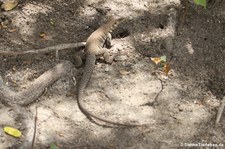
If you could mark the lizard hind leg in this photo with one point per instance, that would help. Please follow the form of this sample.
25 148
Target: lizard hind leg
108 39
77 61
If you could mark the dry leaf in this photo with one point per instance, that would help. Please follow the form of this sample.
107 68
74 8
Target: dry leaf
156 60
12 30
70 94
3 25
12 131
166 68
52 22
124 72
43 35
9 4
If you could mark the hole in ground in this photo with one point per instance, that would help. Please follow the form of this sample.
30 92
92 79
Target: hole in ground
123 34
161 26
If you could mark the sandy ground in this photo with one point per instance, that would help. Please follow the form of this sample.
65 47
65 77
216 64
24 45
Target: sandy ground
192 39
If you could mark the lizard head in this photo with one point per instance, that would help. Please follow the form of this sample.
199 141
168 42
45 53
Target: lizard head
112 22
118 18
115 20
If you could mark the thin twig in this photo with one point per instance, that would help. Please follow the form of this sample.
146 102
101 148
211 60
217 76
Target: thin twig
77 46
157 95
220 110
155 102
35 128
183 18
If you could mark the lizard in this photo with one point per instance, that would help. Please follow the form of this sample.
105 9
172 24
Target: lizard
94 47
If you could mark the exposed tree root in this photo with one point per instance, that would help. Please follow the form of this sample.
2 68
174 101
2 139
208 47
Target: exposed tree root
220 110
34 89
56 48
35 129
17 100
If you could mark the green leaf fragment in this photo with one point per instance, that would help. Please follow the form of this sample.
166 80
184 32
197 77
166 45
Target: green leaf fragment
12 131
200 2
53 146
163 58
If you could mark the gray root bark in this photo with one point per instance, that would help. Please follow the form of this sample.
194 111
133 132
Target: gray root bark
35 88
220 110
76 46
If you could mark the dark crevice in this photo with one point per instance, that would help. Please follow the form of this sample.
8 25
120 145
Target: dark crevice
161 26
123 34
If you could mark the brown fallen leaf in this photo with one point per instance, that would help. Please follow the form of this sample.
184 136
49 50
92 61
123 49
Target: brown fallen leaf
166 68
43 35
158 60
9 4
52 22
124 72
12 30
3 24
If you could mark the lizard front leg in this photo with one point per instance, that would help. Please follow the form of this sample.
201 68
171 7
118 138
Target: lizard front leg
103 53
77 61
108 57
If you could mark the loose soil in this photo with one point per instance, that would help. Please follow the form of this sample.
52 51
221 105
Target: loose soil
179 109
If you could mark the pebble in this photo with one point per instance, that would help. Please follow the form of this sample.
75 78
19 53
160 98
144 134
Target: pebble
108 68
120 57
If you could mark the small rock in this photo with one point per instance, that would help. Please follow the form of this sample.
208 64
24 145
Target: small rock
103 10
108 68
120 57
153 40
180 109
99 65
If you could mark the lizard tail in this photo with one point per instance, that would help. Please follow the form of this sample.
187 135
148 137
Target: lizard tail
88 69
90 114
